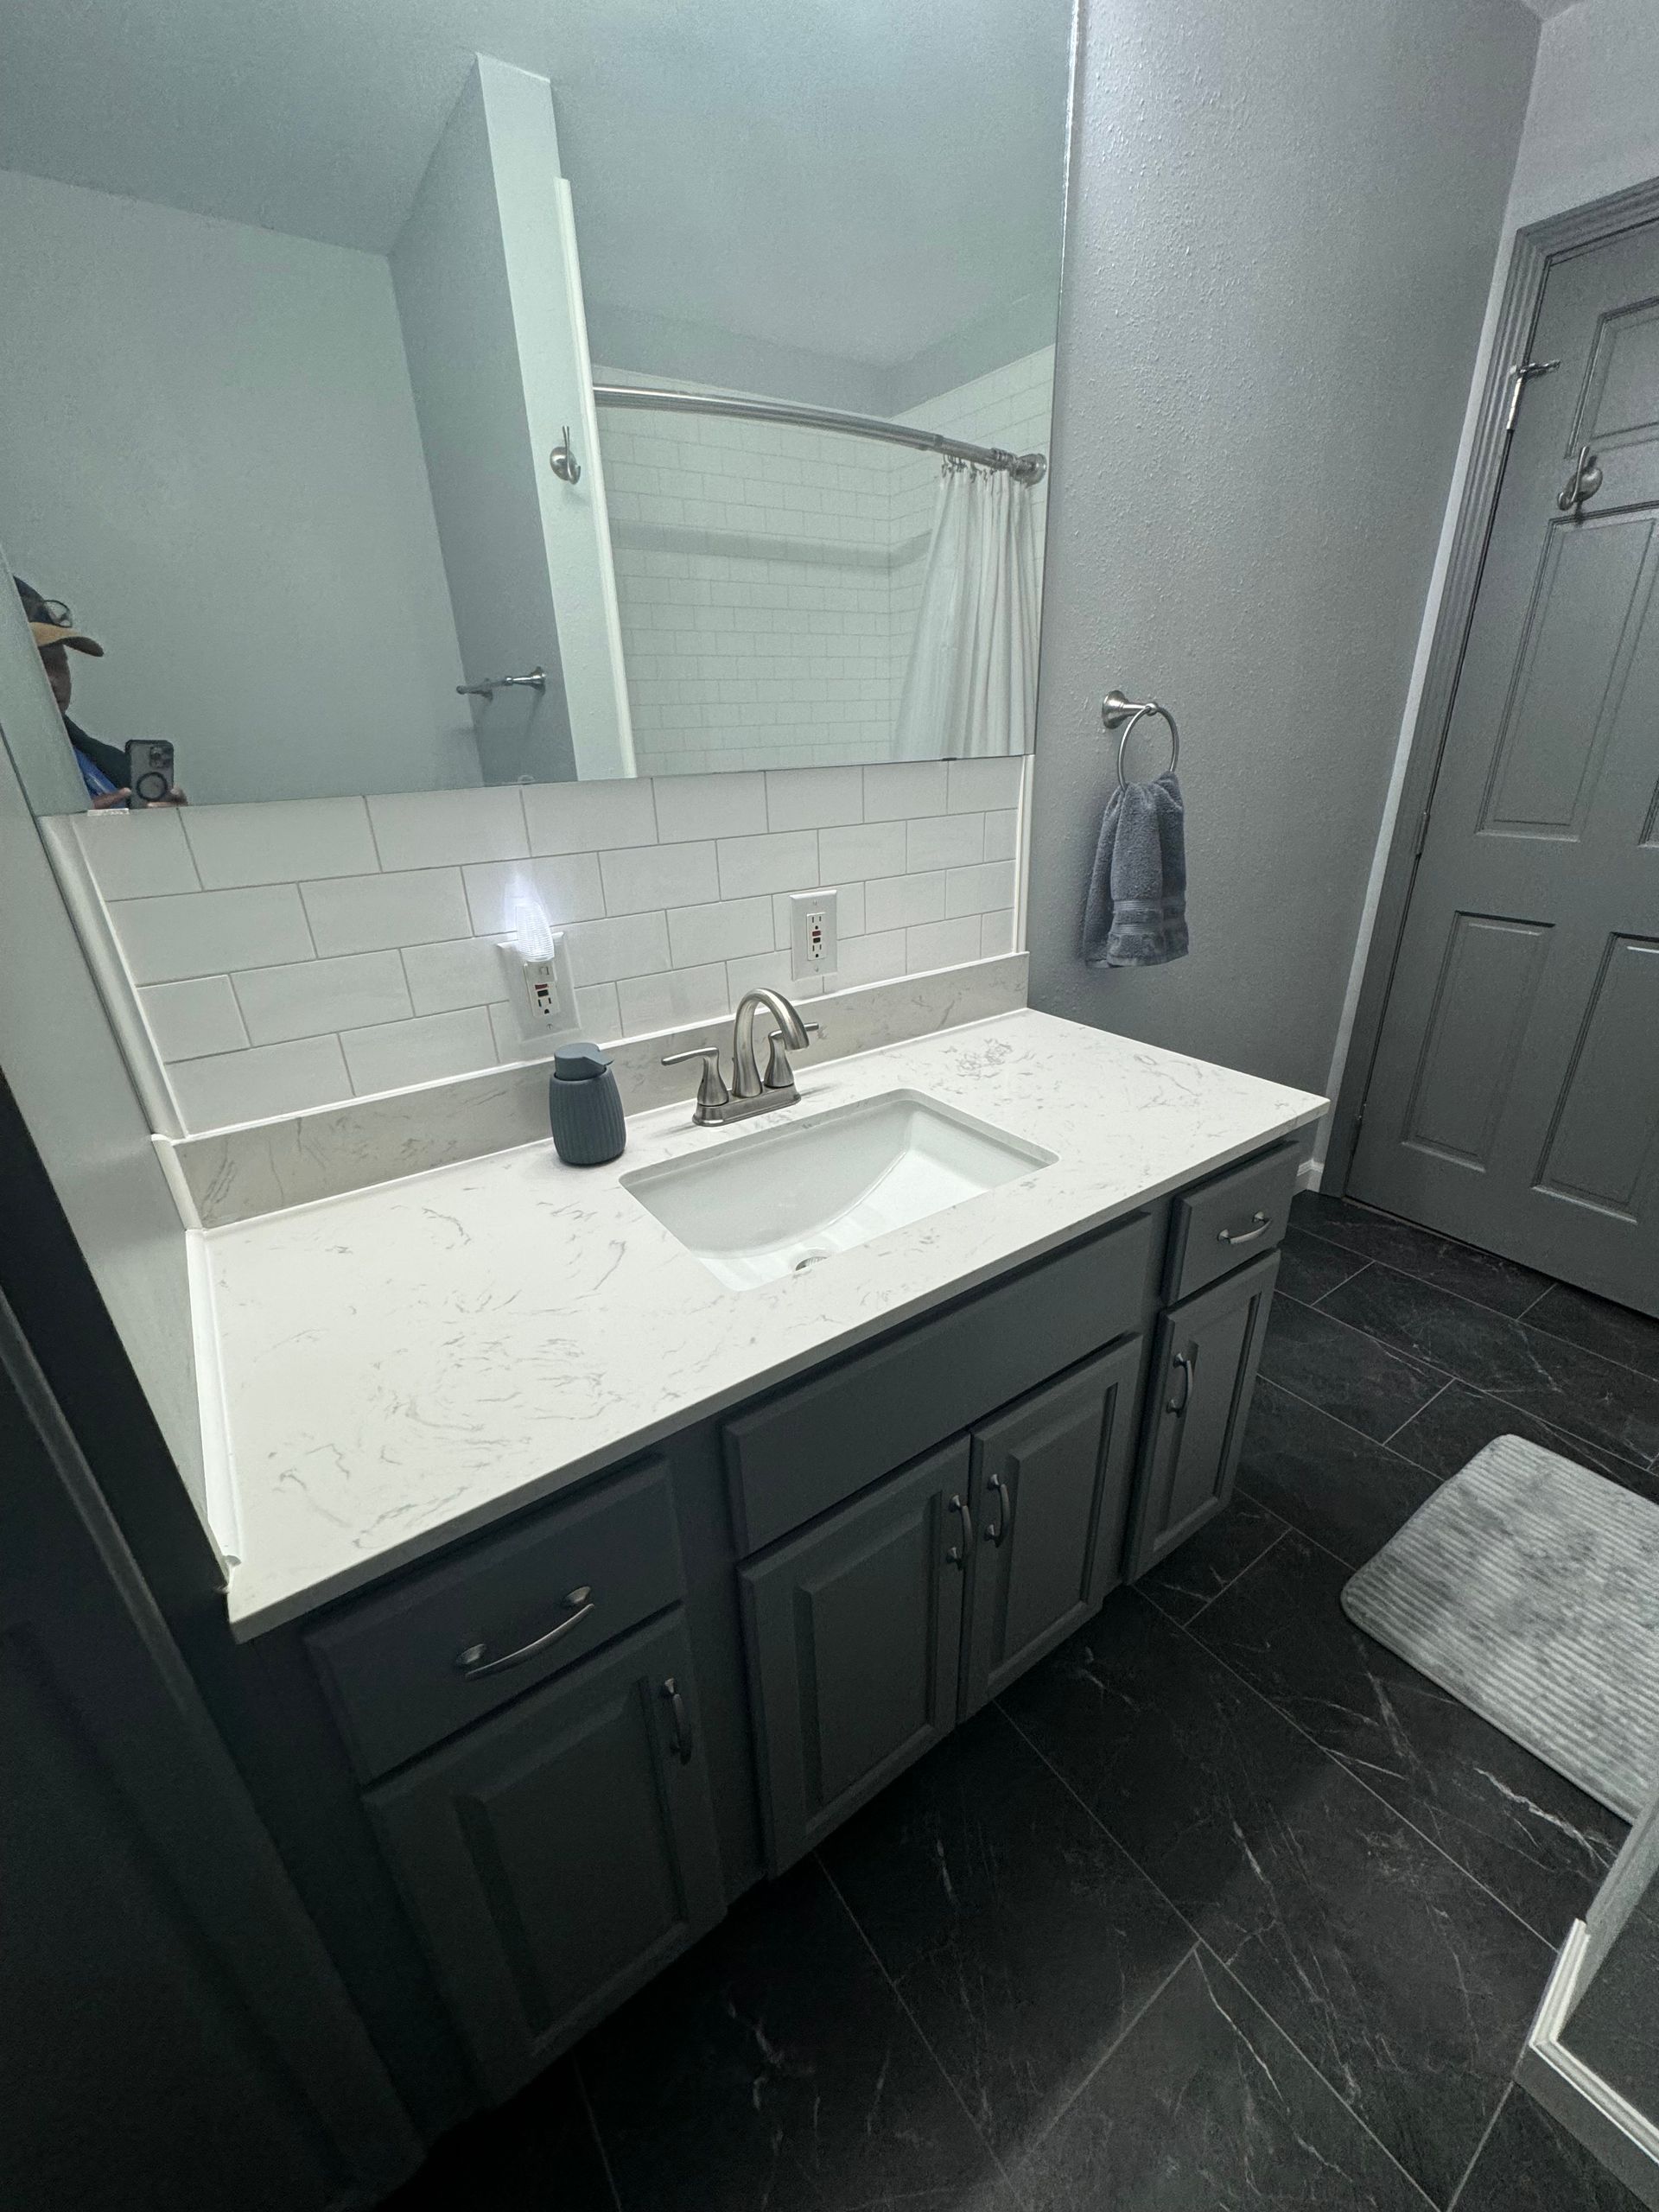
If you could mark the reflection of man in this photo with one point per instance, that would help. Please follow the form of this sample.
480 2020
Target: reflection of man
103 767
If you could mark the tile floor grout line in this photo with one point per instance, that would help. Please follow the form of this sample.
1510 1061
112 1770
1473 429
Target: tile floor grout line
1117 2041
1388 1440
1313 1406
1354 2114
900 2000
1395 1267
1485 2138
594 2129
1283 1531
1307 1735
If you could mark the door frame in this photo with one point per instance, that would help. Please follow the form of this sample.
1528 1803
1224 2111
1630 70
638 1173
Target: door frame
1537 247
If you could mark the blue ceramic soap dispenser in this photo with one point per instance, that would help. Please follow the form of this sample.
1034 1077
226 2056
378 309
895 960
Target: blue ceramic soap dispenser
585 1107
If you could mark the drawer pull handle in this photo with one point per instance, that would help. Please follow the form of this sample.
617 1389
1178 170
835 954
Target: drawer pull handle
1262 1222
1180 1405
684 1739
470 1660
958 1552
996 1531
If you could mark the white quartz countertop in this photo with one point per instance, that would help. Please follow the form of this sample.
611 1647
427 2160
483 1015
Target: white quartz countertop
403 1364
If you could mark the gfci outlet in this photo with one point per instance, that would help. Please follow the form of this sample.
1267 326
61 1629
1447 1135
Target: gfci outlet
547 991
812 934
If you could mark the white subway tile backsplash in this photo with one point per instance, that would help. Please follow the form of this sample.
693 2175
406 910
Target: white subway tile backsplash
942 944
422 1051
443 828
632 944
787 861
188 1019
995 935
140 856
368 914
312 996
1003 835
507 896
648 1003
977 787
280 841
813 798
210 932
467 971
659 875
770 971
979 890
710 807
870 849
872 958
897 790
723 932
944 841
252 1086
895 901
586 817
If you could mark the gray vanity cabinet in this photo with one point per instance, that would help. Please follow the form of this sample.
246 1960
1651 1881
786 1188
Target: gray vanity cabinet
853 1632
556 1857
1051 1492
1203 1363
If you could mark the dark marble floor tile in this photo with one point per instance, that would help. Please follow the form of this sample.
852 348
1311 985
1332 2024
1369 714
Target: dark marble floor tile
537 2151
1405 1983
1539 1843
1021 1937
1530 2163
1349 1374
1461 1422
1542 1375
773 2067
1440 1260
1614 2027
1346 1492
1189 1579
1204 2106
1599 1325
1308 1266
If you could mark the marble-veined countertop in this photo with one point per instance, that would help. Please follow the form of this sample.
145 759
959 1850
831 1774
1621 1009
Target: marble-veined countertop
401 1365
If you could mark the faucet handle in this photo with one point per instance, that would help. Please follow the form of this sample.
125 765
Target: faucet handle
712 1094
779 1076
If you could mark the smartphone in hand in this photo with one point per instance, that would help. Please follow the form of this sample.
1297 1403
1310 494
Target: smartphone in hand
149 771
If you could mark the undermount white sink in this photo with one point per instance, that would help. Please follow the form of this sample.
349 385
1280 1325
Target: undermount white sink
772 1204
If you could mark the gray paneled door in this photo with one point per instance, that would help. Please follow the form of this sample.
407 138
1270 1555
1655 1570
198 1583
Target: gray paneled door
1515 1098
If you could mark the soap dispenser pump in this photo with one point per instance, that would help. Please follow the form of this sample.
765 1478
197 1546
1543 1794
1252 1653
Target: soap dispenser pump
585 1107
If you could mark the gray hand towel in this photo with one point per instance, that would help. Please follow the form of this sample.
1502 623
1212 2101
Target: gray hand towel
1136 912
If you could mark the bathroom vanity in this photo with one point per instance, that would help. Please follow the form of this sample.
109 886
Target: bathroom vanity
590 1588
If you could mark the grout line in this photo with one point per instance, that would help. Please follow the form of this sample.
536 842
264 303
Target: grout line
1353 1429
1422 1410
593 2126
899 1999
1117 2043
1249 1567
1486 2137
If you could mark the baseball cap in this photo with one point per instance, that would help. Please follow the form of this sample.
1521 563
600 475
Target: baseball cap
51 623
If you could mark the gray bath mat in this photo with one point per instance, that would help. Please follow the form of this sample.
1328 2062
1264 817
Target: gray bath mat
1529 1588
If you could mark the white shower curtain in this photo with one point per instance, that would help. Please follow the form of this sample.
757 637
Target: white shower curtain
970 688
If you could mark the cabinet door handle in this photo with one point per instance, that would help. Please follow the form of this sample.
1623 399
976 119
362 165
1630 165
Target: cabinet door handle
1180 1405
473 1660
958 1552
996 1531
684 1736
1262 1223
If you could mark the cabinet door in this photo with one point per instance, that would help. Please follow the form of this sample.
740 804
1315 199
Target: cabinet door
853 1633
556 1857
1197 1397
1051 1489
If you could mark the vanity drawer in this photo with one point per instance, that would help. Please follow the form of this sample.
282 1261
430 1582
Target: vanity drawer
536 1598
810 1447
1220 1225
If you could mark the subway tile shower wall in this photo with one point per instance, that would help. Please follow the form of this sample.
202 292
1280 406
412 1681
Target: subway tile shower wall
290 954
768 577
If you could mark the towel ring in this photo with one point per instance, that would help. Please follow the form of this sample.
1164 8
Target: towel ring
1118 713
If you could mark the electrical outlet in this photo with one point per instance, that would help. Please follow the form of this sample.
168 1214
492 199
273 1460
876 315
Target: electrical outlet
812 950
547 989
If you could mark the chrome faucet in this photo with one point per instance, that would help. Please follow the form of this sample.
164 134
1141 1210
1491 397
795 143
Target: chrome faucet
750 1092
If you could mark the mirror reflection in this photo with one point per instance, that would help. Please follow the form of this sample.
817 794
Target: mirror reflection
418 397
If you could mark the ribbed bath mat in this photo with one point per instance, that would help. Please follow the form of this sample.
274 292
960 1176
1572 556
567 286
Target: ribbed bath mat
1529 1588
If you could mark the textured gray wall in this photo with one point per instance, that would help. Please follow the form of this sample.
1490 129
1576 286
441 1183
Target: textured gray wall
1282 225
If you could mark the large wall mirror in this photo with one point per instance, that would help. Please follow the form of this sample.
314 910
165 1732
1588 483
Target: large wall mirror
460 432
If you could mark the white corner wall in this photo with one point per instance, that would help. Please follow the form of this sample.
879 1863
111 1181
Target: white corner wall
208 446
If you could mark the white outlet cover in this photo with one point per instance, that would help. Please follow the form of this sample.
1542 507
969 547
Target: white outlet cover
813 937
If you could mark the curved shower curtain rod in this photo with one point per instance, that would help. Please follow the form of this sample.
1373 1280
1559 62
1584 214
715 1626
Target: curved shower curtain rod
1023 467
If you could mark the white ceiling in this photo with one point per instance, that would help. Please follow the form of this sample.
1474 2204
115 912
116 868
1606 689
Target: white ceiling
856 177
